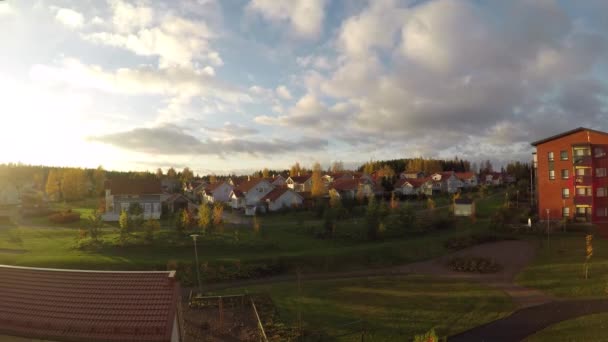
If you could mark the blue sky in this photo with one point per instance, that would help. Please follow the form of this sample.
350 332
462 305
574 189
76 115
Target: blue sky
234 86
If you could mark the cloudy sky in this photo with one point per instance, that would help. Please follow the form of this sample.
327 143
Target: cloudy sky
237 85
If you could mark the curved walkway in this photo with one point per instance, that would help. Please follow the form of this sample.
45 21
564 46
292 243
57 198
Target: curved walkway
528 321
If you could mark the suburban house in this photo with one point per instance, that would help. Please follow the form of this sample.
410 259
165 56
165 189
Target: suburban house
193 190
349 188
431 187
299 183
331 177
282 197
277 180
248 195
571 176
494 178
9 194
218 192
464 207
170 185
449 182
178 202
409 187
469 179
121 193
411 175
42 304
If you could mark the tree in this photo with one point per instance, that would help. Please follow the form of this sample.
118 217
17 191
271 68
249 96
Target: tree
94 225
204 217
295 169
318 187
589 253
430 204
99 180
218 215
136 215
151 226
187 175
429 336
337 166
74 184
171 173
334 198
159 173
53 187
265 173
394 202
212 179
360 195
123 223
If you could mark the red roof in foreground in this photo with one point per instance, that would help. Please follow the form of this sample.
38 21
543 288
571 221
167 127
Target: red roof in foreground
73 305
276 194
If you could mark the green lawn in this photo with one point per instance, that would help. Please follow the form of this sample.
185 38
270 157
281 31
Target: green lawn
585 328
393 309
559 267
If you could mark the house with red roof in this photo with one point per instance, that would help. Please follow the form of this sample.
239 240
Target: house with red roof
408 187
248 195
89 306
469 179
494 178
299 183
121 193
281 198
349 188
449 182
218 192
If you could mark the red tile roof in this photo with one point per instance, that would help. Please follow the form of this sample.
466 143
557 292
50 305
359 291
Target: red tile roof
276 194
73 305
300 179
249 184
345 184
464 175
415 182
125 186
211 187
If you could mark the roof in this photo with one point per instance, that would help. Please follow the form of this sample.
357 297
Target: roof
415 182
345 184
126 186
464 175
79 305
248 184
211 187
276 194
238 193
300 179
561 135
176 197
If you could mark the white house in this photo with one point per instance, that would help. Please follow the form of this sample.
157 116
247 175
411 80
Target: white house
494 178
277 180
121 193
469 179
250 193
280 198
431 187
299 183
449 182
408 187
217 192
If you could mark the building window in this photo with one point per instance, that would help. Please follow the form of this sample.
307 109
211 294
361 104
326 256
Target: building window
563 155
600 172
581 172
601 212
584 191
599 152
565 193
157 207
566 212
551 174
601 192
565 174
550 156
147 208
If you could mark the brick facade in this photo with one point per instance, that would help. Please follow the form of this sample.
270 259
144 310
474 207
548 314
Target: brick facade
578 186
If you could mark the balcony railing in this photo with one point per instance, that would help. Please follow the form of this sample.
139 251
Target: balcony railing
582 160
583 180
583 200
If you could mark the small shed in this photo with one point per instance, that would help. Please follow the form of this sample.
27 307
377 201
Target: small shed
464 207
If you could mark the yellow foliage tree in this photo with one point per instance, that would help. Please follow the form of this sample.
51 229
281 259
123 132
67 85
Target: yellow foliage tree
99 179
53 186
318 187
74 184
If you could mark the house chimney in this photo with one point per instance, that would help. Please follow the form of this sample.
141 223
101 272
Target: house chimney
298 173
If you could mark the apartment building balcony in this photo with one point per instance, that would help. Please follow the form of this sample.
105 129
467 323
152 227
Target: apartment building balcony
583 200
583 180
581 160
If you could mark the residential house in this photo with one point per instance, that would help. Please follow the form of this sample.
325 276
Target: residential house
449 182
248 195
194 190
349 188
464 207
494 178
43 304
218 192
177 202
282 197
408 187
276 180
430 186
411 175
299 183
170 185
469 179
121 193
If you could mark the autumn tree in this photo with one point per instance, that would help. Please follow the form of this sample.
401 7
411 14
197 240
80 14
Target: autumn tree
265 173
123 224
94 225
150 226
295 169
204 217
187 175
53 185
218 216
212 179
318 187
159 173
99 180
171 173
74 184
337 166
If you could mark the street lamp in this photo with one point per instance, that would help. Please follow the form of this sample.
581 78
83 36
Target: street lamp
198 275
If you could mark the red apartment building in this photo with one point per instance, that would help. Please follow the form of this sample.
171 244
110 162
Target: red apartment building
571 176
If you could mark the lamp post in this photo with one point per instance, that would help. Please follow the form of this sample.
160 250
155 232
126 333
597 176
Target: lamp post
198 275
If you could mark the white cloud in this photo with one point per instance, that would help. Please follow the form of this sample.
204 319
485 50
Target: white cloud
209 71
69 17
128 18
97 21
6 9
283 92
304 16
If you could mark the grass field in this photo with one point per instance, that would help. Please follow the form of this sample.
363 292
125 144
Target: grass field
393 309
559 267
585 328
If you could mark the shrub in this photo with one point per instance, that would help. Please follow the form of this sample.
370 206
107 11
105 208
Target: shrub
473 265
429 336
67 216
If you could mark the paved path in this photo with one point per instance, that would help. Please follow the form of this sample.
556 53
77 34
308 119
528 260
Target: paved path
526 322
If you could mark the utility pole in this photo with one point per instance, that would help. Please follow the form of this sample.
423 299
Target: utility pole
548 229
198 275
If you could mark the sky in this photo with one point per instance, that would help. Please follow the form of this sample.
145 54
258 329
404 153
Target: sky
239 85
